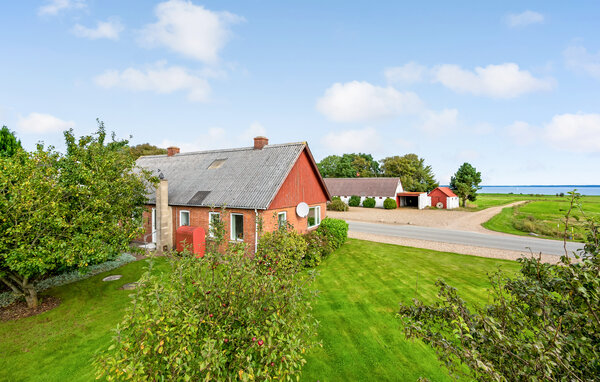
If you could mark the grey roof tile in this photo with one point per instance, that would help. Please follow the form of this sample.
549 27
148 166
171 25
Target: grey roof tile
362 186
249 178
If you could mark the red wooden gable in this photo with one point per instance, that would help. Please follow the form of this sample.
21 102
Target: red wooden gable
303 184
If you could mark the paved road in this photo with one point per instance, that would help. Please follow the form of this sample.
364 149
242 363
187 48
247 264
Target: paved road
508 242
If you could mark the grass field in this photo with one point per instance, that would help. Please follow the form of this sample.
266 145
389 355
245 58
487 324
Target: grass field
361 286
492 200
59 345
544 217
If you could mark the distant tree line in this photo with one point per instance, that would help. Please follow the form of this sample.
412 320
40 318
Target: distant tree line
412 170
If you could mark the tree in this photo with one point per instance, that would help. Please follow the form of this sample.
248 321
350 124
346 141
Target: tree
60 212
411 170
8 143
348 166
542 324
465 183
145 149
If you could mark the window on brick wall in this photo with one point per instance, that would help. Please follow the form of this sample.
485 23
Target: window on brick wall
314 216
184 218
281 219
237 227
213 219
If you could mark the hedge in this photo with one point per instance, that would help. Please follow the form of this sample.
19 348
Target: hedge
369 203
389 204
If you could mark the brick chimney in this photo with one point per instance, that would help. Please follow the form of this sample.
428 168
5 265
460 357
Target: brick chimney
172 151
260 142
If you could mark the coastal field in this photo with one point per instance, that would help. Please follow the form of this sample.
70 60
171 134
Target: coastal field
540 215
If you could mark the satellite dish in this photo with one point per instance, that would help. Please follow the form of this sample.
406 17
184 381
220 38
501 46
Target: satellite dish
439 205
302 209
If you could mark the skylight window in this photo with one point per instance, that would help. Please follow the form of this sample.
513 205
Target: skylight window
217 163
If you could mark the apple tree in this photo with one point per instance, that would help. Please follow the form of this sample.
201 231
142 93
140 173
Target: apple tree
67 211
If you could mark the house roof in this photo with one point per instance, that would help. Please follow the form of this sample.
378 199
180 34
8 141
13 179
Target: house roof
411 193
236 178
362 186
447 191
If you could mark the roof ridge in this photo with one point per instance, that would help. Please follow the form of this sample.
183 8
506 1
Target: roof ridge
247 148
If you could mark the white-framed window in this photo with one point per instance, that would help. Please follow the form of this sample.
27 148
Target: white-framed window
184 218
237 227
213 217
314 216
282 219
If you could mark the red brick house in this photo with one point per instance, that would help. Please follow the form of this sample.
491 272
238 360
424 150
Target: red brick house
264 184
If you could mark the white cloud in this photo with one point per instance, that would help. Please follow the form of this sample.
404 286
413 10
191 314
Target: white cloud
360 101
576 132
159 79
496 81
578 59
189 29
523 133
365 140
104 29
440 122
217 138
53 7
467 155
42 123
524 19
406 74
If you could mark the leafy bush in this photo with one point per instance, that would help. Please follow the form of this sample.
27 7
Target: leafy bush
220 317
318 247
389 204
335 231
369 203
280 251
337 205
542 324
354 201
333 198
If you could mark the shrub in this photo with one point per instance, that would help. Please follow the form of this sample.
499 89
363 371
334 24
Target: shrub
335 231
369 203
354 201
337 205
280 251
389 204
333 198
214 318
318 247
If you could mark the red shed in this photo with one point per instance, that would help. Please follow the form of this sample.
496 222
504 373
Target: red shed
443 197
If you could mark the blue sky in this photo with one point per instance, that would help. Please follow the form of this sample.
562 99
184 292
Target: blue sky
512 87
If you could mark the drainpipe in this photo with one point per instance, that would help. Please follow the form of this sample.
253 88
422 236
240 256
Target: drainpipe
255 230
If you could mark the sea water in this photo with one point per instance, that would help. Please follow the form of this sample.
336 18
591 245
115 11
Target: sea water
541 190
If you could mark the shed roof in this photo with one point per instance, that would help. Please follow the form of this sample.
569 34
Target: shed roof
237 178
447 191
362 186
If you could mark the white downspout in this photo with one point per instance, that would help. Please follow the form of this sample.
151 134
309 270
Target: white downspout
255 230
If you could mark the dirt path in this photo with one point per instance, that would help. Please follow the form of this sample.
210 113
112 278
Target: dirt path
448 219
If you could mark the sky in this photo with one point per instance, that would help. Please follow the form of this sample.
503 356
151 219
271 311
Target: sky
511 87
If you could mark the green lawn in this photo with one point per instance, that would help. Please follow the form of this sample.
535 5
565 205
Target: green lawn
59 345
544 217
361 286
